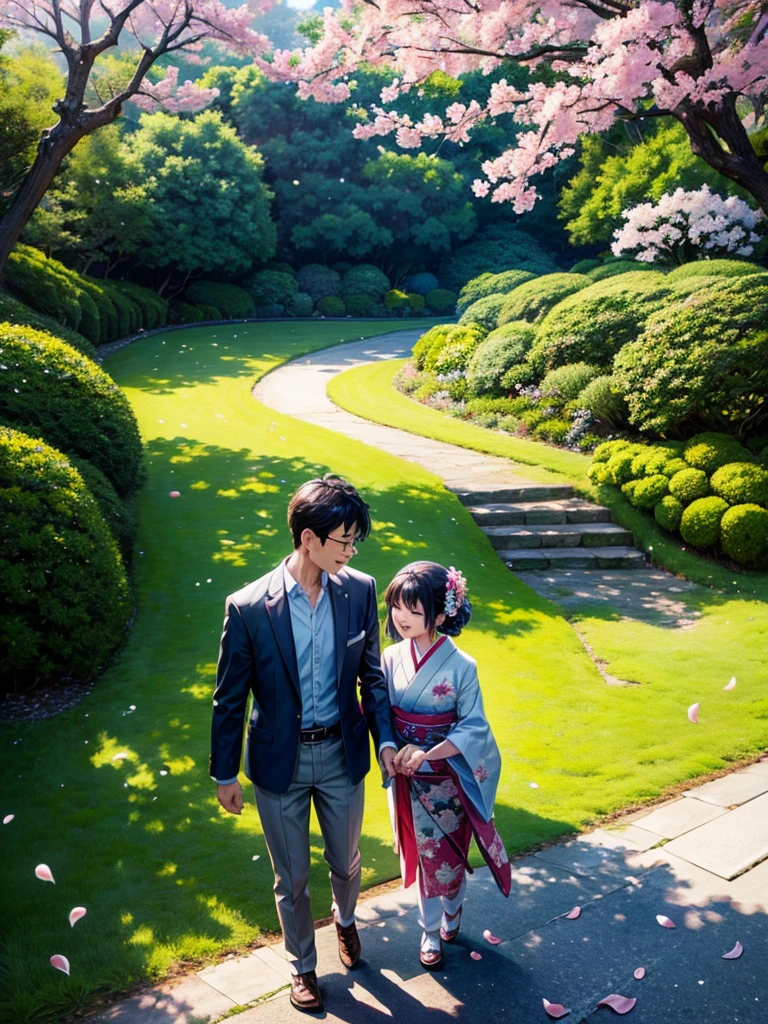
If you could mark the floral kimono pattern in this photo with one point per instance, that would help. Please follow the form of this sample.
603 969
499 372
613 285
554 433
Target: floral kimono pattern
436 811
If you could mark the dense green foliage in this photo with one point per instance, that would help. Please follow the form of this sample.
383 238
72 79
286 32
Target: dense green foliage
491 251
64 602
15 312
533 300
569 381
52 390
365 279
744 535
318 281
491 284
232 302
502 349
484 311
441 301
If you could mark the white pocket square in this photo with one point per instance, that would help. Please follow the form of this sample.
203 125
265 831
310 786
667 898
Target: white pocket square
354 639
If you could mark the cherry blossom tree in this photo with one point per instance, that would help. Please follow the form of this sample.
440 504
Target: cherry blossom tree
159 27
701 62
686 226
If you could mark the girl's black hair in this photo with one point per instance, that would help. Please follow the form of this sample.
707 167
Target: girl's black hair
322 505
425 582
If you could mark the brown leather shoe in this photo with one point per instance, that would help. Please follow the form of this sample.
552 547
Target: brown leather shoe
349 945
305 993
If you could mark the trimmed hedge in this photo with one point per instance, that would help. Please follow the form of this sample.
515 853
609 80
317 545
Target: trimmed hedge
605 402
714 268
502 349
15 312
45 285
441 301
492 250
741 483
457 349
709 451
331 306
436 337
668 513
54 390
484 312
153 309
235 303
184 313
689 484
318 281
700 522
491 284
301 304
119 513
744 533
616 267
365 279
271 287
567 382
534 299
64 603
422 284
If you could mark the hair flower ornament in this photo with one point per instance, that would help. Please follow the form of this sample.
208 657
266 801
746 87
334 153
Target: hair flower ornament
455 592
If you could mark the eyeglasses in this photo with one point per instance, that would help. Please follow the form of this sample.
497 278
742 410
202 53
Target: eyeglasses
346 545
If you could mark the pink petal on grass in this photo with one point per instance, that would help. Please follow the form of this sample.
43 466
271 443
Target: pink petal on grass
693 714
640 973
665 922
620 1004
735 953
476 956
573 914
174 494
731 685
75 914
43 872
490 937
555 1010
8 819
121 756
60 963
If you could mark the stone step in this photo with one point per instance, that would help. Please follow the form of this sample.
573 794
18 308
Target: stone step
558 535
563 510
523 492
573 558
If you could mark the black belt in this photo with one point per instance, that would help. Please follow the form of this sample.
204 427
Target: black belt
320 733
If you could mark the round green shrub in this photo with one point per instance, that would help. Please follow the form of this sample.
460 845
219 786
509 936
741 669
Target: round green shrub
584 266
673 466
417 303
598 473
365 280
700 521
235 303
658 462
153 309
421 284
331 306
689 484
119 513
714 268
620 465
395 300
53 390
493 249
441 301
273 312
491 284
44 284
459 347
741 483
744 535
301 304
568 382
184 313
640 461
668 513
502 349
649 491
516 377
271 287
15 312
594 323
607 449
64 602
484 312
318 281
614 267
604 401
210 313
553 429
360 305
434 337
534 299
709 451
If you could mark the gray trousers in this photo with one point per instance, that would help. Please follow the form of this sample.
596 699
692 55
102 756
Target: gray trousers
320 776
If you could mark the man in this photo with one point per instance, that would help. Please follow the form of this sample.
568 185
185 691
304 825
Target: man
299 639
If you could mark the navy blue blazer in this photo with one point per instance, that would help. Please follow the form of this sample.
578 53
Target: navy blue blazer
257 655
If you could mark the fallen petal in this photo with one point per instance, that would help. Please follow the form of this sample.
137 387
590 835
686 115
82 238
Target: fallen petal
573 914
735 953
555 1010
175 494
121 756
693 713
8 819
620 1004
60 963
490 937
43 872
533 785
75 914
640 973
665 921
476 956
731 685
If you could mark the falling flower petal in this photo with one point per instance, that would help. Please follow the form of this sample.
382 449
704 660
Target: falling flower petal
533 785
476 956
665 921
640 973
555 1010
621 1004
75 914
8 819
731 685
163 771
735 953
573 914
175 494
43 872
490 937
121 756
693 713
60 963
255 856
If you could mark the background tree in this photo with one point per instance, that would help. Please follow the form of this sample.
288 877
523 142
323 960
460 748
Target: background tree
82 38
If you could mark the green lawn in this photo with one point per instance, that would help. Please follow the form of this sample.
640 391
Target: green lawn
168 877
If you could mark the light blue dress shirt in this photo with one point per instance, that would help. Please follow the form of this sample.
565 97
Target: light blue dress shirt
315 644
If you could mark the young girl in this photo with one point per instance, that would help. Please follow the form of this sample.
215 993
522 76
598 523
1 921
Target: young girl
448 763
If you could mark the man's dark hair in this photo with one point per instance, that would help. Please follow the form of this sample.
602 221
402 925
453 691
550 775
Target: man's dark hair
322 505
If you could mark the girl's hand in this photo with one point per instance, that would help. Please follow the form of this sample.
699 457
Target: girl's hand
409 759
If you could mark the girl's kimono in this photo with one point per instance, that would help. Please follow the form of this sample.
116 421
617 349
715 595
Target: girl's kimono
436 811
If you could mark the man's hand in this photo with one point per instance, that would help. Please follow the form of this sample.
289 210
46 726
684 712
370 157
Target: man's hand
231 797
387 758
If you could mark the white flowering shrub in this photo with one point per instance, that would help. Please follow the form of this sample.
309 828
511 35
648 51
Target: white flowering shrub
685 226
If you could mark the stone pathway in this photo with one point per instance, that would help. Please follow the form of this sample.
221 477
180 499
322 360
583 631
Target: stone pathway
709 876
